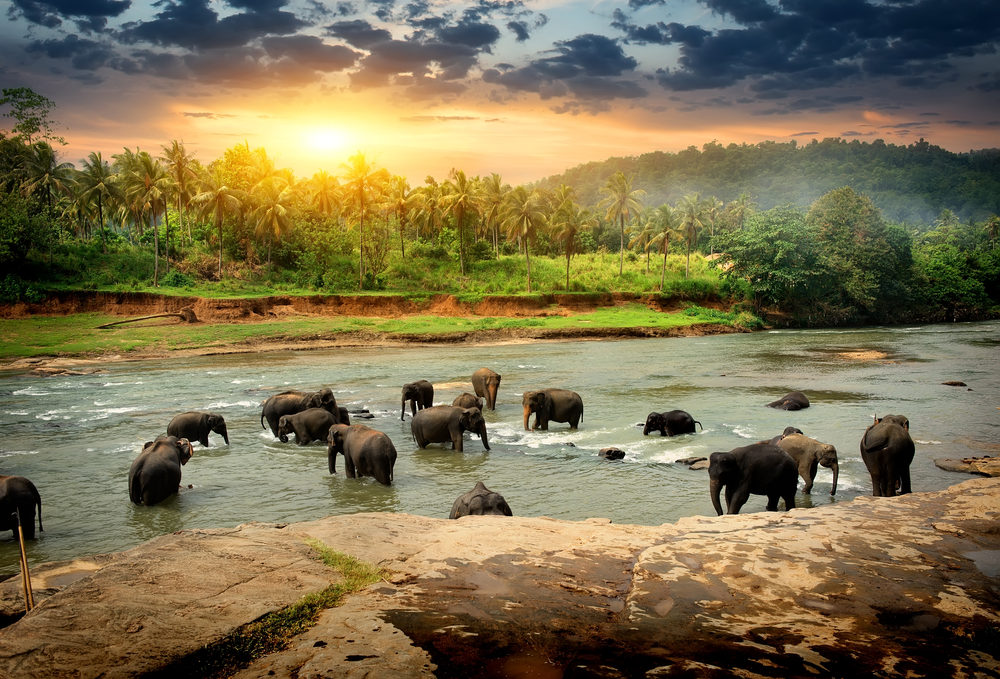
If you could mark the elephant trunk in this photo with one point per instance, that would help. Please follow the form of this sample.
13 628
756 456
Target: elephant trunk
527 416
491 396
225 434
482 435
714 487
835 468
403 411
331 459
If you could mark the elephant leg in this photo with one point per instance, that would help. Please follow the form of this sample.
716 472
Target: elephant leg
810 476
739 498
204 440
904 480
772 502
789 499
349 467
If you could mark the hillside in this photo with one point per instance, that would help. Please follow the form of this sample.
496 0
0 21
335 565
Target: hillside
910 184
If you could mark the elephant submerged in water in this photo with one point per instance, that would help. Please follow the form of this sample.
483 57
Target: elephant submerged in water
793 400
552 405
156 474
291 402
480 501
309 425
758 469
485 383
670 423
366 451
440 424
887 449
196 426
18 496
808 454
467 400
419 394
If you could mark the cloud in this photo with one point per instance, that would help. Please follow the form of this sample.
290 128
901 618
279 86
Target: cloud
89 15
83 54
310 52
358 32
206 114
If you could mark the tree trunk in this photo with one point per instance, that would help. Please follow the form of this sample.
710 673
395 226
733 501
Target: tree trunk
527 256
156 251
166 237
663 271
100 219
567 272
219 227
621 247
361 244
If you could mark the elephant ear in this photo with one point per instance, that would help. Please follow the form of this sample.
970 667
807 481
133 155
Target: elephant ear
186 450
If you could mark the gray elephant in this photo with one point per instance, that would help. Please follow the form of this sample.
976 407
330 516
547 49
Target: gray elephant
18 495
312 424
195 426
793 400
552 405
787 432
808 454
670 423
887 450
480 501
440 424
156 474
467 400
420 394
366 451
291 402
759 469
485 383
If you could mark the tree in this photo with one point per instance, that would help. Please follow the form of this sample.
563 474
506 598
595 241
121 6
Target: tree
568 222
324 191
642 233
45 174
523 213
460 200
492 192
272 216
31 111
360 176
692 213
217 201
620 201
665 225
181 168
147 187
712 211
402 202
97 181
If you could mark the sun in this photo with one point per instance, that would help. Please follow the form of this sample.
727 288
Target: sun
325 139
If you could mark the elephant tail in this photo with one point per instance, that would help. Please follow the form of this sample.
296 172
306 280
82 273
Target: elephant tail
262 420
699 424
135 487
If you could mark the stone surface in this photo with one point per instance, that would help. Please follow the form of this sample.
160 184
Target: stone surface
982 466
905 586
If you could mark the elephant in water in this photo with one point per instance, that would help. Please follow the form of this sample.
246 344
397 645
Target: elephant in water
555 405
291 402
760 469
467 400
793 400
485 383
420 395
196 426
309 425
440 424
18 495
366 451
156 474
887 450
480 501
670 423
808 455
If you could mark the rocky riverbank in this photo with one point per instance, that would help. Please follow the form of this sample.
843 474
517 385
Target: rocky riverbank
888 587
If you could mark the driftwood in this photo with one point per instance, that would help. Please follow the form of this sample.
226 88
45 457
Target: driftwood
186 314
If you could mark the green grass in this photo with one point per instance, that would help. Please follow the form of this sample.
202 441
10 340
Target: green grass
274 631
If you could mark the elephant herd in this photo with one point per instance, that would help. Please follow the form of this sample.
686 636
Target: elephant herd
769 468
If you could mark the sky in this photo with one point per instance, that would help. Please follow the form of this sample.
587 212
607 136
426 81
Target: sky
523 88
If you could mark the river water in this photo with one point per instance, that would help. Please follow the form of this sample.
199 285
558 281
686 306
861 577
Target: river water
75 436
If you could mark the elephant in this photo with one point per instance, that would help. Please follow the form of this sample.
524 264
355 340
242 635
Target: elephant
366 451
760 468
195 426
670 423
480 501
808 454
793 400
420 394
557 405
156 474
18 495
467 400
787 432
440 424
611 453
887 450
312 424
343 417
291 402
485 383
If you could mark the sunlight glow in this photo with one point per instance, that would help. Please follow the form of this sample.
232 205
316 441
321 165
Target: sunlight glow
325 139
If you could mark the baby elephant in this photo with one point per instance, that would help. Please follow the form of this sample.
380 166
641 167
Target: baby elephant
793 400
467 400
312 424
156 474
480 501
420 394
18 495
366 451
758 469
808 454
195 426
670 423
887 450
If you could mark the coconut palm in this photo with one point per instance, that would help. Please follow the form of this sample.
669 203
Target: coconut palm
147 187
181 168
568 221
712 210
324 192
359 174
272 217
429 209
217 201
621 202
460 201
522 214
642 232
492 192
96 182
692 220
666 223
45 175
738 210
402 202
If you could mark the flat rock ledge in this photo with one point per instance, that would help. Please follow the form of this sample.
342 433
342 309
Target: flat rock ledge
883 587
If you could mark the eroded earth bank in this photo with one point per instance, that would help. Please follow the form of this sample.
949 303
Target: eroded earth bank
886 587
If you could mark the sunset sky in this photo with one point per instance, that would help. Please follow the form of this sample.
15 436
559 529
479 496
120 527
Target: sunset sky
525 88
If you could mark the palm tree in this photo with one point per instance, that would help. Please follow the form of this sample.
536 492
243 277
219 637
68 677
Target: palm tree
713 208
522 214
181 168
739 210
147 187
45 174
665 224
642 232
568 221
217 200
401 201
460 200
429 207
492 192
272 216
96 180
692 210
621 202
360 175
324 192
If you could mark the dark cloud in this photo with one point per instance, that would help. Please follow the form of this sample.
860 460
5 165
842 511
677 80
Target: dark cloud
194 25
803 134
636 4
89 15
475 34
85 55
311 52
358 32
743 11
207 114
519 29
392 58
659 33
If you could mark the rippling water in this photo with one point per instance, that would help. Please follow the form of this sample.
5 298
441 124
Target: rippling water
75 436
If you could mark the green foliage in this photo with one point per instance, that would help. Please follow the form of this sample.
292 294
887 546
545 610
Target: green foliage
943 282
21 228
15 289
176 279
31 111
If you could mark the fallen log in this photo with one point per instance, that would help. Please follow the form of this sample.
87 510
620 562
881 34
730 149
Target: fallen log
186 314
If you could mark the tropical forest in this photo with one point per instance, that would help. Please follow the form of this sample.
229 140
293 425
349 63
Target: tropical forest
832 232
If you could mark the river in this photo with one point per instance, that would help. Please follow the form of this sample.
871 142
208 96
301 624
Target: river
75 436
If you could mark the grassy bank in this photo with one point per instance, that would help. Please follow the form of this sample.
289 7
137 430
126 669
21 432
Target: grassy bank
78 335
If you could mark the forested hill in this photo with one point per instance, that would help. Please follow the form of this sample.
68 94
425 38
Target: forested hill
911 184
